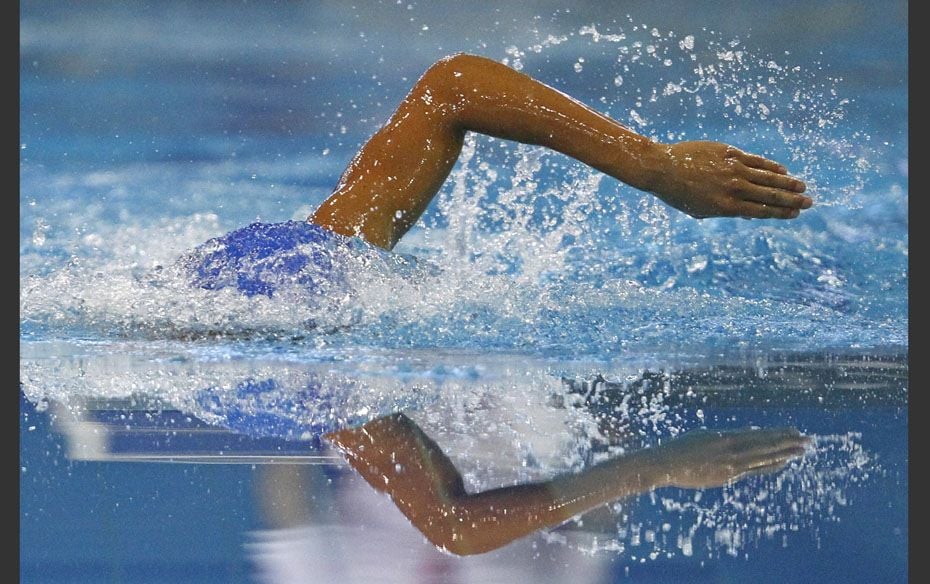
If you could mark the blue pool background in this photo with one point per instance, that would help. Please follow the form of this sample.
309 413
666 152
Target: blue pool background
147 128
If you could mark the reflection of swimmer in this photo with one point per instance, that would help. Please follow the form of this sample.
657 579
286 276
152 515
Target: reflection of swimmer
395 456
392 179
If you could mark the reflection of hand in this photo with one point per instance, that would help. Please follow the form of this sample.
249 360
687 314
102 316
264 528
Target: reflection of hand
711 179
705 459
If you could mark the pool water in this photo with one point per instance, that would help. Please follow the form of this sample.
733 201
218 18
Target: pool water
538 320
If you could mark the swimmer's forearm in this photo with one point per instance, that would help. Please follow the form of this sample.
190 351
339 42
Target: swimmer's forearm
488 97
701 178
490 519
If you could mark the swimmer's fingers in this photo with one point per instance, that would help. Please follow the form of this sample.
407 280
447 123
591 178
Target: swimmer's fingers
703 459
755 161
761 470
762 441
762 188
762 457
777 456
771 457
772 196
775 180
753 210
753 447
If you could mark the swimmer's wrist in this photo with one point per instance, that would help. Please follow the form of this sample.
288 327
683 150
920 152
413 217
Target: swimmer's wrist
654 166
655 471
643 470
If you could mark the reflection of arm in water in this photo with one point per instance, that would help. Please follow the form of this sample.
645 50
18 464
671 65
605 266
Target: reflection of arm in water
395 456
395 175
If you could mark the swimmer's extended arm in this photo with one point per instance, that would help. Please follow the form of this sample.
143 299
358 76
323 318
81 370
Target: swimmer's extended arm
395 456
395 175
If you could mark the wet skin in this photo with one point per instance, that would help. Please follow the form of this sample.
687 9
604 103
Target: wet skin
392 179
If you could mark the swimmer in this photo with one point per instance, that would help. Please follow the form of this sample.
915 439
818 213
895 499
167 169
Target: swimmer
386 188
392 179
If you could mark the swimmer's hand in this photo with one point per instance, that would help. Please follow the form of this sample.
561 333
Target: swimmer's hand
711 179
705 459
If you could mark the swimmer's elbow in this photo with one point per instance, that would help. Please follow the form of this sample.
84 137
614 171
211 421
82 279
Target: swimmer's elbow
461 542
459 548
448 78
457 62
465 528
